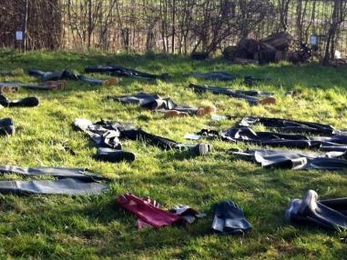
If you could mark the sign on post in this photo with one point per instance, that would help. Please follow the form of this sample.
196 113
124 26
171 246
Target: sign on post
19 35
314 39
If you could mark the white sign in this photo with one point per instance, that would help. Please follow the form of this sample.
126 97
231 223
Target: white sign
314 40
19 35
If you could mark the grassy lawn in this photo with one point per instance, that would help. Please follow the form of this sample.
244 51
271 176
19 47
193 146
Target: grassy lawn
94 227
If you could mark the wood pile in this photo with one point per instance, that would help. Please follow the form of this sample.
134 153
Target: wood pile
274 48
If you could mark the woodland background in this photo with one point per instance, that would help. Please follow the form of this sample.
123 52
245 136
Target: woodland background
169 26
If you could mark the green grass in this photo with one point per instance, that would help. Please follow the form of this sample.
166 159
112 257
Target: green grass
70 227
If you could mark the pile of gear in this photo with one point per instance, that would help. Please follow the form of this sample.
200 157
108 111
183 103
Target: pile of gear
274 48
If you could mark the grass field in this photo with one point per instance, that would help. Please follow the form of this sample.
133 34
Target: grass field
94 227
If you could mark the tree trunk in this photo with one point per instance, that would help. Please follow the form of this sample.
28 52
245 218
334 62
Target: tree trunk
173 26
337 19
25 31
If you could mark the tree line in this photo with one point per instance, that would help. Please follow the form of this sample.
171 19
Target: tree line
170 26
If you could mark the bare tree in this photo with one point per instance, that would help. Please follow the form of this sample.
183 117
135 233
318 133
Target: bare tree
217 21
338 16
283 8
164 10
185 19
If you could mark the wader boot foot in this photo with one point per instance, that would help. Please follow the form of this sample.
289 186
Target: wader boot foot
268 101
111 81
114 155
175 113
205 111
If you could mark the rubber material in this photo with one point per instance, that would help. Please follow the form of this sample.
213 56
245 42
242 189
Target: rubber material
62 186
7 126
253 97
120 71
229 218
287 125
295 159
154 102
149 213
24 102
107 134
58 172
46 76
310 209
246 134
113 155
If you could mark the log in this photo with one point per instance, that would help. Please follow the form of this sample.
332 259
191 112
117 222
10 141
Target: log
250 45
281 41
